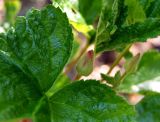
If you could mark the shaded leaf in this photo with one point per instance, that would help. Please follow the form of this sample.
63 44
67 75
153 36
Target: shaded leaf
112 80
147 71
153 8
149 108
135 27
18 94
112 16
93 9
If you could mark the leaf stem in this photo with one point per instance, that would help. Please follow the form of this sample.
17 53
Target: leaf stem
119 58
73 63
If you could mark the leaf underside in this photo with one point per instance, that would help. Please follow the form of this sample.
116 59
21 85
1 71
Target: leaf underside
147 70
149 108
139 20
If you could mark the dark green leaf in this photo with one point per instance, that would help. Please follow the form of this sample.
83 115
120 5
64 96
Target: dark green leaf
18 94
136 32
3 43
149 108
42 112
153 8
147 71
112 16
133 26
32 55
130 34
88 101
42 42
112 80
90 9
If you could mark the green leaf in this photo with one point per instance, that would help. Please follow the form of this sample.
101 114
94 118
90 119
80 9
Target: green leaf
42 42
135 12
60 82
138 32
147 71
76 10
149 108
87 101
12 8
133 26
153 8
146 4
112 80
93 9
3 43
112 16
18 94
70 7
32 55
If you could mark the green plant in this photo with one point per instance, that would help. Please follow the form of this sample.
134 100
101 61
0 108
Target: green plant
34 52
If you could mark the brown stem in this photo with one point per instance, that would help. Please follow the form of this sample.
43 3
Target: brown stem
73 63
119 58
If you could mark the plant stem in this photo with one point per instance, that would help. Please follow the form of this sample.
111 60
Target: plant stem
73 63
119 58
121 79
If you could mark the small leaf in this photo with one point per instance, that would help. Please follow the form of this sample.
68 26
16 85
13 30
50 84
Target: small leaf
135 12
112 80
146 71
149 108
12 8
87 101
133 64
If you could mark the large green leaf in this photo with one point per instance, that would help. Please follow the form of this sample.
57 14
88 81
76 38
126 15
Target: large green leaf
18 94
147 70
87 101
134 25
149 108
42 42
32 55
